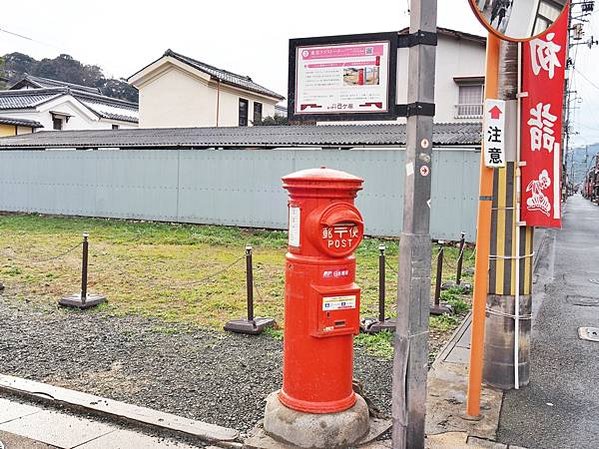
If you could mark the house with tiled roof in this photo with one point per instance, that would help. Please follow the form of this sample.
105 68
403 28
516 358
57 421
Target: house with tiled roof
37 82
58 105
178 91
10 126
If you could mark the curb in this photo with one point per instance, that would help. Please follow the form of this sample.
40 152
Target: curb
119 411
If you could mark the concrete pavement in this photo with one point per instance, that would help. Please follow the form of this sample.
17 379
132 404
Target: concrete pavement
560 407
29 426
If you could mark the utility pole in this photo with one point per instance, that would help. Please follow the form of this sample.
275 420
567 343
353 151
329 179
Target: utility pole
575 35
410 365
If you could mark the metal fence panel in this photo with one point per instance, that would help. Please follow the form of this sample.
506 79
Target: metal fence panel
230 187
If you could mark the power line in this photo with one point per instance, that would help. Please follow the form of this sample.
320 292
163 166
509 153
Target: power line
12 33
585 78
16 34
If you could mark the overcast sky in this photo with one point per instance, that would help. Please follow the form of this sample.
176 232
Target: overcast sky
243 36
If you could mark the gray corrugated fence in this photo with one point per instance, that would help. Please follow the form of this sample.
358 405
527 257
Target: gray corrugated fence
230 187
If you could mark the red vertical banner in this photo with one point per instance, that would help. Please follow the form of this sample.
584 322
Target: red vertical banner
543 73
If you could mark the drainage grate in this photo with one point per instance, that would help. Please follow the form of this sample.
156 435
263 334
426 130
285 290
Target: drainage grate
589 333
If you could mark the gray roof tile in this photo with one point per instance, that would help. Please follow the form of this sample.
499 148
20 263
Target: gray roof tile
20 122
39 82
101 105
25 99
445 134
245 82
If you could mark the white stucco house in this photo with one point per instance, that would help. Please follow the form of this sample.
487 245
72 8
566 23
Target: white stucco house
459 77
58 105
178 91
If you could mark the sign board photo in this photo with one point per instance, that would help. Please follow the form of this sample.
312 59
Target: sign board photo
343 77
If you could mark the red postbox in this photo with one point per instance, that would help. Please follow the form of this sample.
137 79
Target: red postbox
322 301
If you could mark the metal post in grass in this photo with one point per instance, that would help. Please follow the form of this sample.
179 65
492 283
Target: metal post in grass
372 325
249 282
463 287
438 308
83 300
458 271
251 325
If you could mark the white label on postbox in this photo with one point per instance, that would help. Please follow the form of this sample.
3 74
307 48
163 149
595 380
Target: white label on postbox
338 302
294 226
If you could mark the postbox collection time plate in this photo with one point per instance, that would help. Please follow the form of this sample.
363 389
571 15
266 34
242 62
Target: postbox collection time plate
341 302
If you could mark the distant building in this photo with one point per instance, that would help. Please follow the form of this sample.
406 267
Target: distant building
59 105
178 91
459 78
10 126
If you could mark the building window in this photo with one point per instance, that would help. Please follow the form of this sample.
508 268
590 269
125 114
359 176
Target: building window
57 123
470 101
115 126
257 112
243 112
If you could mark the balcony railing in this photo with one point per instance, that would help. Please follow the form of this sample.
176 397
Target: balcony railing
469 111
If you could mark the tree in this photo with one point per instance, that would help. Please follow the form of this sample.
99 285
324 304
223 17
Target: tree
2 78
66 68
277 120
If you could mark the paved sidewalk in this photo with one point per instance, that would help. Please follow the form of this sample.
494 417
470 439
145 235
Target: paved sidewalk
446 425
28 426
560 407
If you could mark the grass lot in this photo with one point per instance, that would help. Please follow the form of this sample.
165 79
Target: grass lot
152 269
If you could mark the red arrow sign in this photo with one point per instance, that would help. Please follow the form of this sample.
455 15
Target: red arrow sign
495 112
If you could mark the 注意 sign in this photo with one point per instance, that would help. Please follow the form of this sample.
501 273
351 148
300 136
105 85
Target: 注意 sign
544 62
494 133
343 77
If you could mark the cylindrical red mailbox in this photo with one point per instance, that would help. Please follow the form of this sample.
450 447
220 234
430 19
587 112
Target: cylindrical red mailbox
322 301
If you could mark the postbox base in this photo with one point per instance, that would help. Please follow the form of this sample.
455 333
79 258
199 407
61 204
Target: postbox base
374 326
92 300
316 431
251 327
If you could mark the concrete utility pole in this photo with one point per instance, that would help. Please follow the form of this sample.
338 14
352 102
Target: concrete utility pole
413 297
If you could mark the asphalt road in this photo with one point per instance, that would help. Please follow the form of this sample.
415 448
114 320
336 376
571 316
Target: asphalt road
560 407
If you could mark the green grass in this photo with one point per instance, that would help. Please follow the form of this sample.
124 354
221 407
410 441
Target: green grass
152 269
380 345
444 323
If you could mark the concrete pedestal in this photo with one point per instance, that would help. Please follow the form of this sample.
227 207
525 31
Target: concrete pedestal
316 431
75 301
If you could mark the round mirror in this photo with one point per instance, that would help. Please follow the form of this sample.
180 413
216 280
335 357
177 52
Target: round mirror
517 20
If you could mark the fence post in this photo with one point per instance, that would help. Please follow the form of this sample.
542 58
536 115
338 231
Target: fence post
458 274
373 325
249 282
251 325
83 299
437 308
84 269
381 283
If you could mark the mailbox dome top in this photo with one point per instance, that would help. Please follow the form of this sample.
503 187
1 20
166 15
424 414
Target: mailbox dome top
322 174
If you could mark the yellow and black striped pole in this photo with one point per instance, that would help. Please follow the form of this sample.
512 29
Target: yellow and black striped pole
509 298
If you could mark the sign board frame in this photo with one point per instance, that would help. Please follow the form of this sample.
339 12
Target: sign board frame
295 45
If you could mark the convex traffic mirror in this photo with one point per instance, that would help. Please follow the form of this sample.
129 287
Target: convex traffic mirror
517 20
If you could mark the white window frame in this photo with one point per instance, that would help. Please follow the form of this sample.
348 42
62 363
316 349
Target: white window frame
469 108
